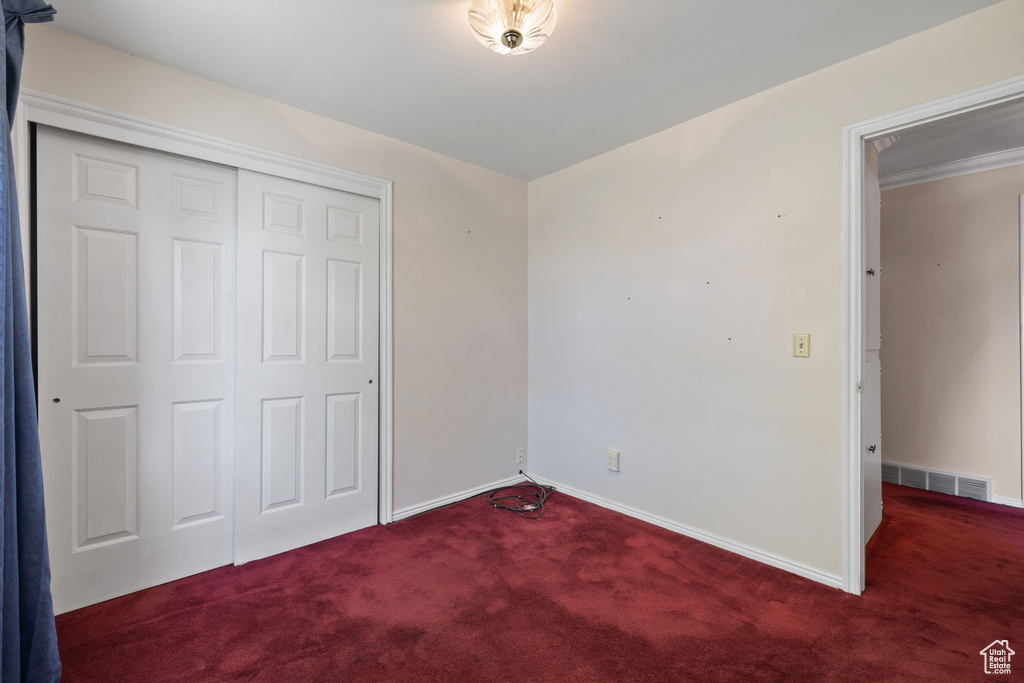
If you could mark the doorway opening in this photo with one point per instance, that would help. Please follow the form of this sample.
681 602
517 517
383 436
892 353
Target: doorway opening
898 159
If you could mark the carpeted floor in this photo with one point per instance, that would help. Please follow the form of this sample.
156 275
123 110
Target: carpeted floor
470 593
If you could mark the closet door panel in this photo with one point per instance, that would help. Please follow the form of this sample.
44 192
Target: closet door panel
307 364
136 364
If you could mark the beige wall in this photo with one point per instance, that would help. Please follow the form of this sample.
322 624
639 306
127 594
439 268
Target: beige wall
950 326
667 278
459 255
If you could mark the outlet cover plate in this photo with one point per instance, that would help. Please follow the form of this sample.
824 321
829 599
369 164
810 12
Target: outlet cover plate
613 461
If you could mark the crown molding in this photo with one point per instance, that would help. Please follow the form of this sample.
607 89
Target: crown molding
982 162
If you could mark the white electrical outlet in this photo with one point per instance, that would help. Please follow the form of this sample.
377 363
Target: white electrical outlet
613 461
519 456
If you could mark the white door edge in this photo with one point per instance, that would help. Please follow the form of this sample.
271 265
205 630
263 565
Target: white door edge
41 108
1021 293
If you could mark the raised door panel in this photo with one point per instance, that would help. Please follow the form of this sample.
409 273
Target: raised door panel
105 456
282 453
198 198
283 307
198 301
344 443
105 181
344 309
345 225
105 309
198 453
283 214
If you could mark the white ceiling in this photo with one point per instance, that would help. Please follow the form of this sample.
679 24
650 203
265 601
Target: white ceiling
985 131
612 72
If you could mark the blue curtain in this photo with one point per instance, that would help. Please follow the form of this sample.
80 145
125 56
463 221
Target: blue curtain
29 638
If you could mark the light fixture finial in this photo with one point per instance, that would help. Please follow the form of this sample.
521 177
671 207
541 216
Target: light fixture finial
511 38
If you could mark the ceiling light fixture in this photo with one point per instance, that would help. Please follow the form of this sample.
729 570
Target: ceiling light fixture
512 27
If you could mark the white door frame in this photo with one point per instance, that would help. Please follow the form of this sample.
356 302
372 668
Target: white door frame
854 137
1020 241
36 107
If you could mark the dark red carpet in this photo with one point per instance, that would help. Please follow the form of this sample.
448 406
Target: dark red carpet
471 593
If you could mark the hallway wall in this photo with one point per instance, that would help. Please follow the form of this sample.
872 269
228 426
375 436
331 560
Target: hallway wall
951 326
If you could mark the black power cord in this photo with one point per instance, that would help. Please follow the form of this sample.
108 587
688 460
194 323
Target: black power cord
526 500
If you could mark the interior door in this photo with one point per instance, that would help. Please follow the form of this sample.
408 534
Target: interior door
307 364
871 376
136 364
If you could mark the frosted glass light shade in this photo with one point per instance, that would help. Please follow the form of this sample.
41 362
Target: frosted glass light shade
512 27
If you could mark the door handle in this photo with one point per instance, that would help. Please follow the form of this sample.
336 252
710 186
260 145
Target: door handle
872 448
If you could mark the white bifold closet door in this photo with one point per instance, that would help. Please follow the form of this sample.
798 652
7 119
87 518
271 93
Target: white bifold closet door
136 284
307 364
182 430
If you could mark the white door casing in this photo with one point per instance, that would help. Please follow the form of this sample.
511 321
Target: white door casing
854 137
136 259
308 373
871 382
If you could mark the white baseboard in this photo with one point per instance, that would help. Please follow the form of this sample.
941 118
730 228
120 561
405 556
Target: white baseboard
454 498
1011 502
833 580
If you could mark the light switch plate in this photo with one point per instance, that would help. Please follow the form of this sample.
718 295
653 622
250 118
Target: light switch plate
801 346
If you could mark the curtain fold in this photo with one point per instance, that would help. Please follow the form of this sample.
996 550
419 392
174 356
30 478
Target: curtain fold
28 638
